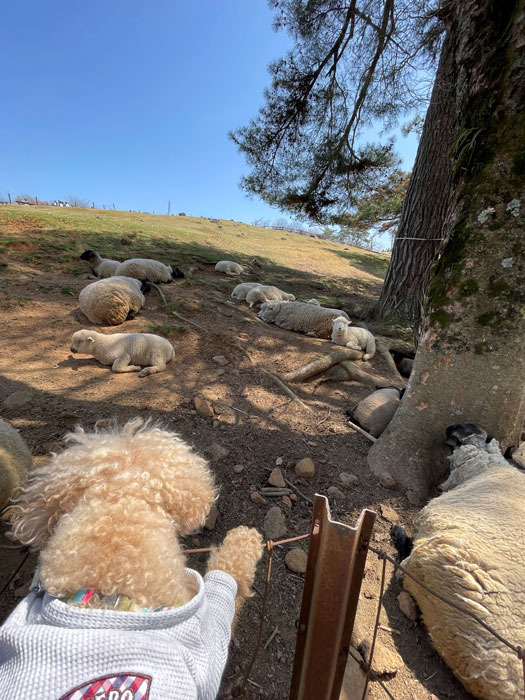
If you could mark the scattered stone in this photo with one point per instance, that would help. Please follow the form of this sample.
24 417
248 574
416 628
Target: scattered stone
387 480
305 467
389 514
219 372
407 605
413 498
278 461
335 493
386 660
185 401
212 517
276 478
274 524
348 479
215 452
68 415
286 500
17 399
238 468
223 406
256 497
293 496
312 443
215 424
52 446
296 560
220 360
203 406
105 423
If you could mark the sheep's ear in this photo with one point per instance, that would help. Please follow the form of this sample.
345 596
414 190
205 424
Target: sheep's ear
90 338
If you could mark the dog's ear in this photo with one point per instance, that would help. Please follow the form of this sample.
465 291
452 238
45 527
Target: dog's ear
52 490
189 491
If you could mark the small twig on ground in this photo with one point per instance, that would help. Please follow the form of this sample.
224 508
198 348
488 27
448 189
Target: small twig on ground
243 412
360 430
389 629
160 293
271 638
286 389
324 419
294 487
187 320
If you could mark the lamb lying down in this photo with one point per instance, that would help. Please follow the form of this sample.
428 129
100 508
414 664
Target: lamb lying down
353 337
125 352
470 547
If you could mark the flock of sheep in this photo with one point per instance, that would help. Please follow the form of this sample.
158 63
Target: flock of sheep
462 546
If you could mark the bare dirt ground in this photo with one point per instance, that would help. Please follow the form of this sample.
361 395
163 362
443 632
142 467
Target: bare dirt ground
253 420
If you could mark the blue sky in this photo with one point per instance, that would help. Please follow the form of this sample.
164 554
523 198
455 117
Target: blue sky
130 102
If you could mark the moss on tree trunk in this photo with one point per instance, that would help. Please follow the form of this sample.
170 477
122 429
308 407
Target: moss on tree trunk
470 364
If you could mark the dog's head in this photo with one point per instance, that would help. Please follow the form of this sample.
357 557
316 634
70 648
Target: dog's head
140 460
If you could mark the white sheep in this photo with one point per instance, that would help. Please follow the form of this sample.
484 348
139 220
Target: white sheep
231 268
353 337
148 269
264 292
241 290
469 546
125 352
100 267
300 317
15 461
112 300
374 412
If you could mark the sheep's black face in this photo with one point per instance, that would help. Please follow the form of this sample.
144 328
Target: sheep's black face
466 434
176 273
88 255
145 286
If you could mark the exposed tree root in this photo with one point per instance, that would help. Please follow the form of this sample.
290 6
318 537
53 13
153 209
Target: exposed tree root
303 373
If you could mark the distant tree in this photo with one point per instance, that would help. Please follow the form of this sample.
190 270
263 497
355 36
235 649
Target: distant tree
282 222
353 64
77 202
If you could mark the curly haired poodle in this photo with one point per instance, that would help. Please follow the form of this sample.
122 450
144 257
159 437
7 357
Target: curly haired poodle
115 614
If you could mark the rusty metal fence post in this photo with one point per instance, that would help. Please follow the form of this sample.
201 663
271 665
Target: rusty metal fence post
336 560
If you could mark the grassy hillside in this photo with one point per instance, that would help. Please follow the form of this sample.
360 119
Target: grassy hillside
52 238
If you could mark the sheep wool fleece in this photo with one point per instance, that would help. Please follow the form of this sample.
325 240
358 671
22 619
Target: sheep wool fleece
53 651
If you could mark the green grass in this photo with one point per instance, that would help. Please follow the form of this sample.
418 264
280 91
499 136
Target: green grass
166 331
52 240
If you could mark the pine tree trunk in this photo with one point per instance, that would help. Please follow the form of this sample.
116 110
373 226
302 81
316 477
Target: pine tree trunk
470 363
426 201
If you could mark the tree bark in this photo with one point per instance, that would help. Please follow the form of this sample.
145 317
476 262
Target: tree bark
426 201
470 363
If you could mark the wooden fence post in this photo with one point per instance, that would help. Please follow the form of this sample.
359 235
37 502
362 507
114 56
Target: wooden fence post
334 571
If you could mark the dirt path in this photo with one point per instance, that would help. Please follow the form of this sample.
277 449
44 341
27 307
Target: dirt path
253 420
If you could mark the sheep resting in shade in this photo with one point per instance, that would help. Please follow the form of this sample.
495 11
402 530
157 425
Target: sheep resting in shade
241 290
353 337
100 267
148 269
15 462
144 353
231 268
300 317
266 292
112 300
470 546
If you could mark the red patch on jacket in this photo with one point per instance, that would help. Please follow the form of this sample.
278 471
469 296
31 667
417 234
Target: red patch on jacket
122 686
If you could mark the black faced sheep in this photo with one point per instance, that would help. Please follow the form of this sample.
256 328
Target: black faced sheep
469 546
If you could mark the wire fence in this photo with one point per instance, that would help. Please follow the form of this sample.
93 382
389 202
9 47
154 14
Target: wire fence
382 555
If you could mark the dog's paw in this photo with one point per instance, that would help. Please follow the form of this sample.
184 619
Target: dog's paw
238 556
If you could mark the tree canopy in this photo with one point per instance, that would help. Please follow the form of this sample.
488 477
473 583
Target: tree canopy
354 65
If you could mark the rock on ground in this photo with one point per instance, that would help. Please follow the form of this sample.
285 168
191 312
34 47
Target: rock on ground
215 452
203 406
296 560
335 493
348 479
274 524
17 399
276 478
305 467
212 517
387 480
407 605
